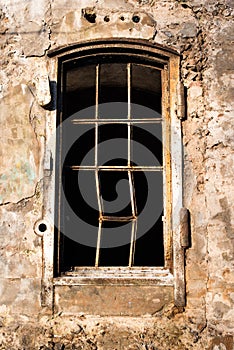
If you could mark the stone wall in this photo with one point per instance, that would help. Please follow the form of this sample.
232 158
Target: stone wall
203 34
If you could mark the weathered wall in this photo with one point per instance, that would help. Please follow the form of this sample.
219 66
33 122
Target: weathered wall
202 33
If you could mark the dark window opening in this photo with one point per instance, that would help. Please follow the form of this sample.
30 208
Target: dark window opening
110 202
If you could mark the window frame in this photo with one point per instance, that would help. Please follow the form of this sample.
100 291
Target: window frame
173 273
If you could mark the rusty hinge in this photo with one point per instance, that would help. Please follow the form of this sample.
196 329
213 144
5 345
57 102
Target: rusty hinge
180 285
180 100
184 228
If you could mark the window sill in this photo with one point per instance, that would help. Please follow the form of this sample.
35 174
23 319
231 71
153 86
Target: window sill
116 276
114 291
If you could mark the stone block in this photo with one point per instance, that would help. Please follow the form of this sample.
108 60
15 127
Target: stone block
112 300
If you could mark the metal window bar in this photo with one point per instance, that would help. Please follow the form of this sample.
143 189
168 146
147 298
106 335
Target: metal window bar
97 91
129 88
116 168
98 243
129 112
118 218
117 121
132 193
134 221
132 245
99 198
130 174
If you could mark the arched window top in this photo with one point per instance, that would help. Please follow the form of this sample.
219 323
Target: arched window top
138 47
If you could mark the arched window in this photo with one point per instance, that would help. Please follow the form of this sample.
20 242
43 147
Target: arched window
118 177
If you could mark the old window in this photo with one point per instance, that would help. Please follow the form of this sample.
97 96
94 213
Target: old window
118 166
111 189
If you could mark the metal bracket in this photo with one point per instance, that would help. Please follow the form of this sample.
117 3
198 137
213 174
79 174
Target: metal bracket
184 228
180 100
180 299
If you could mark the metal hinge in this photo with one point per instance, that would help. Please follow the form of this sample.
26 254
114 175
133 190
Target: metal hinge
180 100
184 228
180 285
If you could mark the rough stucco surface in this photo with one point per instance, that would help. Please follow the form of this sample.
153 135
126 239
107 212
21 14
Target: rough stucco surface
203 35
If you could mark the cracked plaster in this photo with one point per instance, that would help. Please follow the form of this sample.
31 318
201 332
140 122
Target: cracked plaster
202 34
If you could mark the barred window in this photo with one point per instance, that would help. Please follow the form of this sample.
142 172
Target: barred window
111 206
118 169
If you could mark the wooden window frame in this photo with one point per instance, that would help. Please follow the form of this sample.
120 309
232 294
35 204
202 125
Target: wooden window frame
173 273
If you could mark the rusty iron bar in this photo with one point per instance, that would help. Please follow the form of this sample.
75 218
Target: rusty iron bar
99 199
133 243
98 244
129 71
96 144
117 218
97 91
129 111
132 193
184 228
180 100
116 168
117 121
